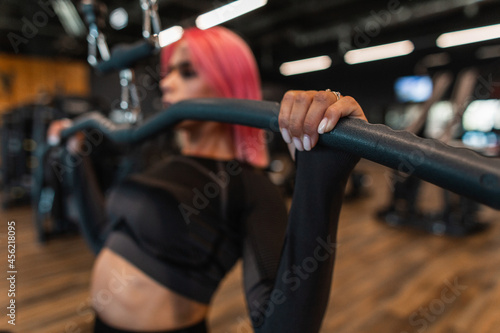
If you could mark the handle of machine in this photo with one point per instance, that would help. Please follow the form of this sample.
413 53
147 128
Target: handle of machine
126 56
460 170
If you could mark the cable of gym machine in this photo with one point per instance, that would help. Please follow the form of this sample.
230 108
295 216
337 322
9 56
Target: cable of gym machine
456 169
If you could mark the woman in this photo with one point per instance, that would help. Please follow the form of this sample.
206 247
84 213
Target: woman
180 226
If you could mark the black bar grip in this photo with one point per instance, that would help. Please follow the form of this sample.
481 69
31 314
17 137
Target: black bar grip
459 170
126 56
456 169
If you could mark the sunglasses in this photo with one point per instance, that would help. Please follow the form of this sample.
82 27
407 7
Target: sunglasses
185 69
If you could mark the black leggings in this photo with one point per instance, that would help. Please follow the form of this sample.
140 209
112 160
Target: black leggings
101 327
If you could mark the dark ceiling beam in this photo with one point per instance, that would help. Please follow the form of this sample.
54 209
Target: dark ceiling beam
404 15
16 26
288 13
195 5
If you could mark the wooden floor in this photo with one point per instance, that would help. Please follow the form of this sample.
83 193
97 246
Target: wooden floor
386 279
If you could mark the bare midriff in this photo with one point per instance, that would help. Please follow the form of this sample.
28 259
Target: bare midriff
124 297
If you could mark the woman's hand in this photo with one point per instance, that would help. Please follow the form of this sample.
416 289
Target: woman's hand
54 135
306 114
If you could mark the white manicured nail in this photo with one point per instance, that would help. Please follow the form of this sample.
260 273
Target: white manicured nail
322 125
298 144
329 126
306 140
286 135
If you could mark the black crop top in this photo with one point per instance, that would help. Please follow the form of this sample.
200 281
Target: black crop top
183 227
196 217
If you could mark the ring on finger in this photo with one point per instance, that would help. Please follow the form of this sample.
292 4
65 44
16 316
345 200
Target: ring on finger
337 94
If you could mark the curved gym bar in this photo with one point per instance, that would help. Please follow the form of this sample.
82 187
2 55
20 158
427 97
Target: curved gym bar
457 169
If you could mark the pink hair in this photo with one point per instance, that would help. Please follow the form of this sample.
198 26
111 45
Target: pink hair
227 63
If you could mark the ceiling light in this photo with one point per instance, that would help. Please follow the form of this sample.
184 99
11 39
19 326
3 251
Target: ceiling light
379 52
170 35
69 18
305 65
468 36
227 12
118 19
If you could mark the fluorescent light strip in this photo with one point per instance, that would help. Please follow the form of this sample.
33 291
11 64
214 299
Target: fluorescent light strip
305 65
227 12
69 17
170 35
468 36
379 52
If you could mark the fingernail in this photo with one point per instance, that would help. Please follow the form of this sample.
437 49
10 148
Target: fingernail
53 140
286 135
298 144
329 126
306 140
322 125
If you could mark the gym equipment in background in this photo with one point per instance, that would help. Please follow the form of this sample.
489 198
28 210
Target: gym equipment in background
53 199
49 196
439 120
17 149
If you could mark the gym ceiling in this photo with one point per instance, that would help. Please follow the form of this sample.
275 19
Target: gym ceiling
281 31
